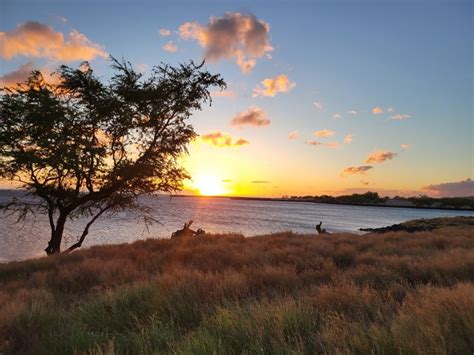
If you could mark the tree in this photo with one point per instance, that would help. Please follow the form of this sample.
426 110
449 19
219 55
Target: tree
85 148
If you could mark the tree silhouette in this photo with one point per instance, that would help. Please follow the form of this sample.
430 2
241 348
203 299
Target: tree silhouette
85 148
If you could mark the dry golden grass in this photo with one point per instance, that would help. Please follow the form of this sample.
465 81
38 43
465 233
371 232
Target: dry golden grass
282 293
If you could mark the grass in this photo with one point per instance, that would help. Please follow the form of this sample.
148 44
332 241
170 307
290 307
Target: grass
285 293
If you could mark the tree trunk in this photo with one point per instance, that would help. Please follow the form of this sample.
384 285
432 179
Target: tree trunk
54 245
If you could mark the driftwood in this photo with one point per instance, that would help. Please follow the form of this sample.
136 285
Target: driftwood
321 231
186 231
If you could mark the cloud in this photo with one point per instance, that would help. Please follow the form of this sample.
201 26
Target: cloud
142 67
391 110
380 156
61 19
318 105
348 138
22 74
254 116
241 37
170 47
377 110
293 135
271 87
223 93
363 182
405 146
17 76
452 189
227 180
352 112
34 39
324 133
400 117
332 145
164 32
260 182
356 170
337 116
328 145
221 140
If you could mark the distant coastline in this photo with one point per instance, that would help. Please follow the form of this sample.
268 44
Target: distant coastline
387 202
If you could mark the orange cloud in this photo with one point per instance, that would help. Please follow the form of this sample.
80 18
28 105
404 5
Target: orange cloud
237 36
34 39
380 156
356 170
324 133
170 47
377 110
21 74
17 76
332 145
223 93
293 135
221 140
254 116
328 145
405 146
271 87
348 138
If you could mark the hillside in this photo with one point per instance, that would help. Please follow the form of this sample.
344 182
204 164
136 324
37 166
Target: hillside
283 293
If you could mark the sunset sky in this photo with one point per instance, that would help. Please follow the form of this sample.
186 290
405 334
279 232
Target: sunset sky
324 97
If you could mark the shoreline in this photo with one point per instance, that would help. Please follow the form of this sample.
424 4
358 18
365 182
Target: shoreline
276 199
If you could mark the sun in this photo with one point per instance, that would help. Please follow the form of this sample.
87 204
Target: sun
209 185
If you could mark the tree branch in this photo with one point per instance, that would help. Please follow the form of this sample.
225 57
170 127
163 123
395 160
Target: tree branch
86 230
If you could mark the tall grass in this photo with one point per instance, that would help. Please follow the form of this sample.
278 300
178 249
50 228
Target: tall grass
282 293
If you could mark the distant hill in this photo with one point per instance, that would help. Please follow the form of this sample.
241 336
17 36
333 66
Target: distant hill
373 199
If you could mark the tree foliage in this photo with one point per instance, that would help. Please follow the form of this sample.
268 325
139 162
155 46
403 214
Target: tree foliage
84 147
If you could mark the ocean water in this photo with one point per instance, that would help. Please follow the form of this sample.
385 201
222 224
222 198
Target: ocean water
216 215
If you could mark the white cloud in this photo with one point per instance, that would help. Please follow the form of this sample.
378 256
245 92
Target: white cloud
164 32
400 117
318 105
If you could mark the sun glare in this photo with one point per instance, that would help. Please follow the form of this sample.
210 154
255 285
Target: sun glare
209 185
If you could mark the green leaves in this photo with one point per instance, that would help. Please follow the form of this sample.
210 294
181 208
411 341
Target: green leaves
82 143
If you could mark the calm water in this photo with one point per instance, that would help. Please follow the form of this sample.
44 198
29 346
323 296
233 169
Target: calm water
28 239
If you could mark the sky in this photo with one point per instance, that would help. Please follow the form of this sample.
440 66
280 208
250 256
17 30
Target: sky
323 97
